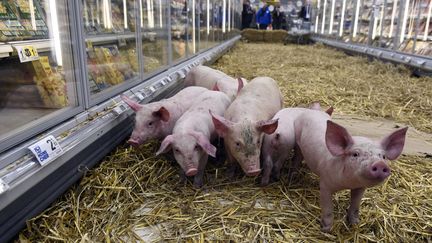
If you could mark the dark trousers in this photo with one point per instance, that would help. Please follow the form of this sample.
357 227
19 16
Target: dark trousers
263 26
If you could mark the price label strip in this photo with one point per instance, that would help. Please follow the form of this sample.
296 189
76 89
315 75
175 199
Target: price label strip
139 95
46 150
3 186
27 53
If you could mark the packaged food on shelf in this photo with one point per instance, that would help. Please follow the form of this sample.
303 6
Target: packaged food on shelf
51 85
10 28
22 8
150 64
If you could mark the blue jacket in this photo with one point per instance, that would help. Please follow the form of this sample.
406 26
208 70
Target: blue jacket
263 18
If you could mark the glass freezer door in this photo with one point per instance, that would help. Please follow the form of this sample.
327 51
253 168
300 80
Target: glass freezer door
111 45
37 81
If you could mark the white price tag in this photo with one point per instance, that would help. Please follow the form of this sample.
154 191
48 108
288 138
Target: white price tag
119 109
27 53
152 89
46 149
3 186
163 82
139 95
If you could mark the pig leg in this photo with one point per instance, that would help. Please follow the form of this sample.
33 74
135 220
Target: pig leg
277 167
198 179
297 158
267 169
353 210
326 204
296 162
182 176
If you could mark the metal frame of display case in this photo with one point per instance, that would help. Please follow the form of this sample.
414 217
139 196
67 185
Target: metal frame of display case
90 130
33 128
84 99
91 135
389 54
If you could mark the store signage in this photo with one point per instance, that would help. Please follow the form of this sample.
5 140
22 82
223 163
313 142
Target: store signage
27 53
46 149
3 186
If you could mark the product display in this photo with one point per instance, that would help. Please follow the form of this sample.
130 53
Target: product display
19 22
109 66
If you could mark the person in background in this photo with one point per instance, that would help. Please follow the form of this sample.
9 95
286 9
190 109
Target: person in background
278 18
306 10
247 14
263 17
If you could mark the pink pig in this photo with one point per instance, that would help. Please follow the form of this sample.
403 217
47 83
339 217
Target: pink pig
277 146
245 122
343 161
157 119
192 134
214 79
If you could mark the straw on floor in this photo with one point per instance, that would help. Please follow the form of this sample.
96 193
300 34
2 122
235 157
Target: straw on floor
133 191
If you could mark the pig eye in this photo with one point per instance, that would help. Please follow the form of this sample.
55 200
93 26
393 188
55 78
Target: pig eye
237 144
197 147
383 156
150 123
176 150
356 154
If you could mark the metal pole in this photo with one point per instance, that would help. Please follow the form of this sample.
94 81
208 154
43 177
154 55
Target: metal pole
417 24
371 23
170 56
396 41
383 21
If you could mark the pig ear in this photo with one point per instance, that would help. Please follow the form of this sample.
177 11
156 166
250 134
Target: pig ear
315 106
393 144
267 127
330 110
204 143
165 145
221 124
162 113
132 104
337 139
240 85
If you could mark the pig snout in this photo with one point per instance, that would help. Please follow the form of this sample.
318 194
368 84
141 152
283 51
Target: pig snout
252 169
191 172
253 172
134 142
379 171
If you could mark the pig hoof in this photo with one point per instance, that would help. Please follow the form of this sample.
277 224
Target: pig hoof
264 182
353 220
197 185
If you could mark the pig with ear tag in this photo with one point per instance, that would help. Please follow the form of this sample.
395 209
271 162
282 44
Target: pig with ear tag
157 119
343 161
213 79
277 146
193 133
246 121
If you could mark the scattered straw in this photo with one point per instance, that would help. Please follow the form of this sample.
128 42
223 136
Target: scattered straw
133 195
349 83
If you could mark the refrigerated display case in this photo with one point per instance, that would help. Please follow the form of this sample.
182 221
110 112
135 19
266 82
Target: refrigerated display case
178 29
111 43
38 87
64 65
154 29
